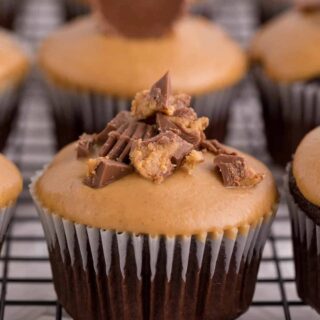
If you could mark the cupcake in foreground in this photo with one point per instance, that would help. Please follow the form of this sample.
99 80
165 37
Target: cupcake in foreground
10 188
303 194
150 220
13 69
115 53
286 54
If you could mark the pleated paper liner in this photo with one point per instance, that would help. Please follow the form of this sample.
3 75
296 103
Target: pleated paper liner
290 111
9 105
306 249
75 112
104 274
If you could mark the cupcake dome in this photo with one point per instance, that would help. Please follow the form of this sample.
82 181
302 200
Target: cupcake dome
288 48
10 182
120 66
13 62
306 167
105 70
13 69
194 204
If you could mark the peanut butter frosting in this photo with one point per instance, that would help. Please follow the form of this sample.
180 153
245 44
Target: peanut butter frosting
10 182
306 167
183 204
199 55
288 48
13 61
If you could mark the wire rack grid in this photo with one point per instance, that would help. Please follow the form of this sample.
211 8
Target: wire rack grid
26 283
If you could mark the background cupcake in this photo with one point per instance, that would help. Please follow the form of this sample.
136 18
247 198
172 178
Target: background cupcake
10 188
118 250
304 204
106 68
286 56
13 69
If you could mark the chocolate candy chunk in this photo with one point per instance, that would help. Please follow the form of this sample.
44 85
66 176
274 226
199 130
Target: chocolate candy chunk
103 171
234 171
123 117
140 18
161 91
215 147
160 99
85 145
189 130
118 144
158 157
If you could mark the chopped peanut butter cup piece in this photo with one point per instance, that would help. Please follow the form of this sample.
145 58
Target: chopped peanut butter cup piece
158 99
215 147
85 145
103 171
235 172
192 159
123 117
157 158
139 18
118 144
187 129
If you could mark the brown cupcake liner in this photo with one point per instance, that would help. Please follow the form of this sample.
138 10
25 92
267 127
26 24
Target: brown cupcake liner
306 249
104 274
9 105
290 111
74 8
269 9
8 12
5 217
76 112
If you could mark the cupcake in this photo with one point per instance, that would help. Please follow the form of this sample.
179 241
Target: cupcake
303 195
148 219
8 12
13 69
10 188
113 54
286 58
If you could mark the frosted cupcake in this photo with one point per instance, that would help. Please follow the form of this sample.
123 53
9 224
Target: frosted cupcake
113 54
303 196
13 69
286 54
149 219
10 188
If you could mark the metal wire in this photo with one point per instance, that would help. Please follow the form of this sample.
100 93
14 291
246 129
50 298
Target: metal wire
28 144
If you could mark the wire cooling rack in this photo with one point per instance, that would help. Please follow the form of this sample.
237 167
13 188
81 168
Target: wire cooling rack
26 284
